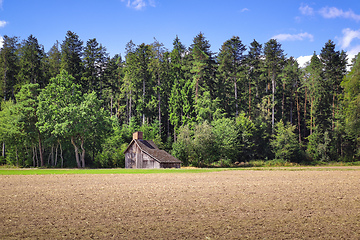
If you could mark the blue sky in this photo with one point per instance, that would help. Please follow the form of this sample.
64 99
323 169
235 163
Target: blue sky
302 27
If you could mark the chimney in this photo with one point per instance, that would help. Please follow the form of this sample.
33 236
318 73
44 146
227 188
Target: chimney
138 135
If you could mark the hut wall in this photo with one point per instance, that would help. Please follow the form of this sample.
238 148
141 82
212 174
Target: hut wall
149 162
133 157
170 165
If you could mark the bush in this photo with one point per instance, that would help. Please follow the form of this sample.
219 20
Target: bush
285 143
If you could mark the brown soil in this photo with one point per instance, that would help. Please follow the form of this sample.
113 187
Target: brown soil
222 205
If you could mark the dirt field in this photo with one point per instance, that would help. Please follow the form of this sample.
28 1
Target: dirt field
221 205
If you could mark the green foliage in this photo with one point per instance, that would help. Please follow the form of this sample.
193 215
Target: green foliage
285 144
208 109
351 84
65 113
246 137
183 147
227 139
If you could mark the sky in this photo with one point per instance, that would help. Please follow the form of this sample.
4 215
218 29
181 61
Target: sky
301 27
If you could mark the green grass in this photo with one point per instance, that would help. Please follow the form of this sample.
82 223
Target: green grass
37 171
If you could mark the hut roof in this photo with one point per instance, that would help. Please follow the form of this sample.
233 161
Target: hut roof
150 148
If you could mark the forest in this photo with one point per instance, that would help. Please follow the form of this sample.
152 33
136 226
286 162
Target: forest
75 106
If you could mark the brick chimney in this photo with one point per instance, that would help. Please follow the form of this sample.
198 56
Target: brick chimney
138 135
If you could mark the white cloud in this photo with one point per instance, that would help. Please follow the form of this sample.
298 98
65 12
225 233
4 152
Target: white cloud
303 60
333 12
353 52
1 42
3 23
306 10
244 10
139 4
348 36
294 37
152 3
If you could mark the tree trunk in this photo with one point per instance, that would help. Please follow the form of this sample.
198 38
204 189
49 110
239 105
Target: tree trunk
56 154
249 99
61 155
17 157
41 151
143 113
82 153
196 89
283 103
298 113
273 103
34 151
76 152
52 155
3 150
236 98
159 99
111 106
311 115
304 130
130 106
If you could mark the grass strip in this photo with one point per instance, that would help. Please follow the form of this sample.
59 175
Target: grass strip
36 171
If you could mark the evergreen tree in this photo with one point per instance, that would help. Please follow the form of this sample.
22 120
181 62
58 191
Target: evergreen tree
351 84
334 69
94 62
230 69
177 77
203 66
291 95
30 62
9 65
143 82
54 61
71 54
254 66
274 61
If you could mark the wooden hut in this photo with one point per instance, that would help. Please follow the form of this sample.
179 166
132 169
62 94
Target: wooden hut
145 154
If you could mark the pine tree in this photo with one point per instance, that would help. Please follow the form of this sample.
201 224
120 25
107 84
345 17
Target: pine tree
54 61
31 56
9 66
177 76
351 84
230 68
254 68
203 66
274 61
71 54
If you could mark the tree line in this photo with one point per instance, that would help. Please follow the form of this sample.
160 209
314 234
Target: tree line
75 106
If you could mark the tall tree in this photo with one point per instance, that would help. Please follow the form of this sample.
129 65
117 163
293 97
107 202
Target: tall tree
156 67
334 69
351 84
143 81
129 78
274 60
54 60
94 60
254 66
313 84
230 68
65 113
31 56
203 65
71 54
26 108
8 67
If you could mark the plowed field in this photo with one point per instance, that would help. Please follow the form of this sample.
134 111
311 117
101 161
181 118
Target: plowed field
313 204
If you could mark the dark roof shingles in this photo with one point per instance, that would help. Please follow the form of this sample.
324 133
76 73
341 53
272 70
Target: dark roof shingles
150 148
